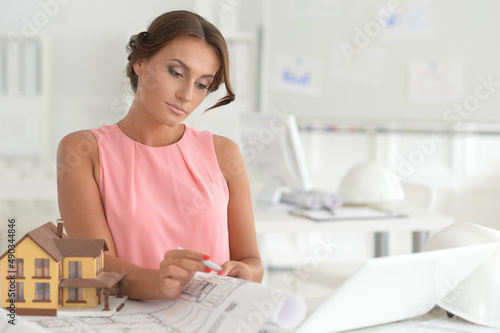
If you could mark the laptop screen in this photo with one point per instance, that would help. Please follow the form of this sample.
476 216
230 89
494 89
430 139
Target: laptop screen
389 289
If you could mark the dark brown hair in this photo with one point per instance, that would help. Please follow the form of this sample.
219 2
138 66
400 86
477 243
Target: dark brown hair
170 26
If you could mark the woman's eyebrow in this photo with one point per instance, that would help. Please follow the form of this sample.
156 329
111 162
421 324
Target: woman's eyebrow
183 64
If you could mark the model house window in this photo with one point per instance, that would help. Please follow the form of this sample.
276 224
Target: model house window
75 269
60 270
75 294
98 265
19 268
19 292
42 268
42 291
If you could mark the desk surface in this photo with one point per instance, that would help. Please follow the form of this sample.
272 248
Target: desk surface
135 316
278 219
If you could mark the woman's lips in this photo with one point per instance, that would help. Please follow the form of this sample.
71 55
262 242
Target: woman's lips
176 109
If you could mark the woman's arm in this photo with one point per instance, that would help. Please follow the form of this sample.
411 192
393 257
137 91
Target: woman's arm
245 258
82 211
79 198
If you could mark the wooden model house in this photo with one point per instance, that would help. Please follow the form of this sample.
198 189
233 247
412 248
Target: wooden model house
48 271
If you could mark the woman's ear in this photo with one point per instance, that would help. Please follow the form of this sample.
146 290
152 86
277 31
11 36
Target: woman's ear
138 66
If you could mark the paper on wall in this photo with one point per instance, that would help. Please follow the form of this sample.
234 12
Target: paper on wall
435 82
296 74
410 20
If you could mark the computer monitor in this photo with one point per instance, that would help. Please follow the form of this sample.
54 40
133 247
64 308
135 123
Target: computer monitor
274 155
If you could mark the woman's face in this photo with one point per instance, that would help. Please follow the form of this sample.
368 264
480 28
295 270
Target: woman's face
175 81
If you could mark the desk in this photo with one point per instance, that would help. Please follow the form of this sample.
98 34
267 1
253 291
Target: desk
141 317
416 220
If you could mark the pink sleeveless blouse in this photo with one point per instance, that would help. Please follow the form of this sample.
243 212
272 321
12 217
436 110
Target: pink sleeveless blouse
158 198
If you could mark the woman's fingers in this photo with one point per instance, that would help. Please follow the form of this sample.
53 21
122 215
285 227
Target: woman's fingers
238 270
174 272
178 268
182 264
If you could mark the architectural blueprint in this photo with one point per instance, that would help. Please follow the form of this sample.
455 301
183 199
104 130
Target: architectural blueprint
209 303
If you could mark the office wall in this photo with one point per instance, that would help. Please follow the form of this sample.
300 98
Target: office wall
359 64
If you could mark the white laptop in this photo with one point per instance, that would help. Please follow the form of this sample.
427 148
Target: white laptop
389 289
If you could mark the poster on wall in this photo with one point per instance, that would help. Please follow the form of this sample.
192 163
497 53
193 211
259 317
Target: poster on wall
296 74
409 20
435 82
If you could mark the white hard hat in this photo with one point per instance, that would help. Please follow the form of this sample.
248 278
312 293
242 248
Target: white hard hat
370 183
477 298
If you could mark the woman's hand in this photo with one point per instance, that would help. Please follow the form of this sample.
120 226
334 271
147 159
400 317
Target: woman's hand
178 268
238 270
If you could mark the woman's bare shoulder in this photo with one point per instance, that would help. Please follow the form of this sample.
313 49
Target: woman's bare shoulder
229 156
225 145
79 138
76 147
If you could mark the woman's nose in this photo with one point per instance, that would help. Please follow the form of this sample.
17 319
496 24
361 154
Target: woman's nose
185 91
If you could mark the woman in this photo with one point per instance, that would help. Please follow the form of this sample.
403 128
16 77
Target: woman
149 184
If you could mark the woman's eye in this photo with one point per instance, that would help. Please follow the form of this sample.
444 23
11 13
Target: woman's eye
174 73
201 86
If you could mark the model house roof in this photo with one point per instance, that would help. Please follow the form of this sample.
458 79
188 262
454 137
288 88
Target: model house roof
105 280
80 247
46 237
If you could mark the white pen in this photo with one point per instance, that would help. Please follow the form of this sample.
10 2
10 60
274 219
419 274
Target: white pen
207 263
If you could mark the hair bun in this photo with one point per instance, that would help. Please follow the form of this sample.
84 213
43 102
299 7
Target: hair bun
131 43
135 42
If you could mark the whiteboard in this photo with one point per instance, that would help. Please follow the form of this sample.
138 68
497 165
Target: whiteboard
459 41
